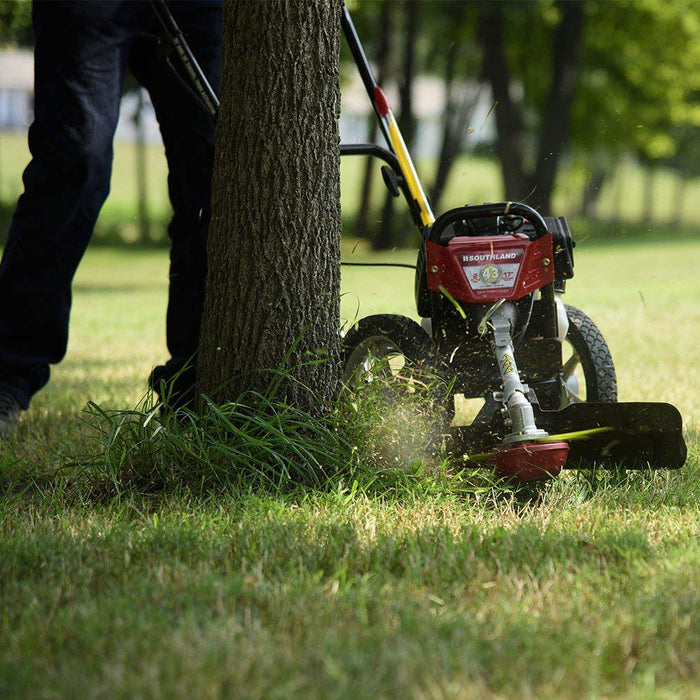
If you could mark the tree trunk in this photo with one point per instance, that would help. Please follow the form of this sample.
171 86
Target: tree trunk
536 188
383 75
272 295
448 120
678 199
566 65
141 171
509 120
406 119
647 209
596 176
452 143
620 179
387 237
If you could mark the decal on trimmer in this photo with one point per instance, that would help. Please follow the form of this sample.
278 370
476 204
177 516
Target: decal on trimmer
491 274
492 270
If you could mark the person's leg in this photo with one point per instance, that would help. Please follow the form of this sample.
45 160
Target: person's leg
188 135
81 52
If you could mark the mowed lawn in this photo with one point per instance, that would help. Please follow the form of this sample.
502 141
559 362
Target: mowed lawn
416 590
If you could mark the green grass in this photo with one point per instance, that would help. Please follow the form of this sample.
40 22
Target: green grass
473 180
338 596
128 577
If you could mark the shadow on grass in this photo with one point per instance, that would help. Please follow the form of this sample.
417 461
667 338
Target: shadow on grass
380 440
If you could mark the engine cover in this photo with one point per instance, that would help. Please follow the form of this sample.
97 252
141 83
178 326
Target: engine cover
489 268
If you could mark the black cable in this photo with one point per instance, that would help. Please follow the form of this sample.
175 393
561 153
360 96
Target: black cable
518 339
359 264
183 81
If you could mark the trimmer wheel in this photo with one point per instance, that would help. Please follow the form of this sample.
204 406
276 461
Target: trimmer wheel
588 371
384 345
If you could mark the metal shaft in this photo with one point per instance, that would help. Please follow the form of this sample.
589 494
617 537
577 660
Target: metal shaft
521 418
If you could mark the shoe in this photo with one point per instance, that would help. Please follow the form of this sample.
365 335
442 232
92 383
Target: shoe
175 389
9 414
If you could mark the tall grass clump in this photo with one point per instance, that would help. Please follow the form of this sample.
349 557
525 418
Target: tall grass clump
256 441
379 436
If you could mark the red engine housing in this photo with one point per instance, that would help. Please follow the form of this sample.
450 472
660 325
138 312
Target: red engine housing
489 268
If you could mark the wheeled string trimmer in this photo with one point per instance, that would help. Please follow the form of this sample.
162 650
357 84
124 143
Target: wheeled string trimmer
488 287
489 280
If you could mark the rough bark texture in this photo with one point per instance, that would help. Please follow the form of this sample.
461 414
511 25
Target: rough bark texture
274 247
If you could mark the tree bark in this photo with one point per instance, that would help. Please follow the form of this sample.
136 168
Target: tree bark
595 180
272 295
646 211
678 198
448 127
456 119
406 118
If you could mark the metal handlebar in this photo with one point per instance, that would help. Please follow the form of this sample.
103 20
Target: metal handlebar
482 211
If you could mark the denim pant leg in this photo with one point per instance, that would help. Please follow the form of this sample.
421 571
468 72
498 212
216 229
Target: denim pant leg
80 57
188 136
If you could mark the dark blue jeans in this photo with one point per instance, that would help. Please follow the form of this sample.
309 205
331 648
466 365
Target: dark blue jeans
82 52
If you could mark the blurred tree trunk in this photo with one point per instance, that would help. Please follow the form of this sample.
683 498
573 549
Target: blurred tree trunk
620 179
386 237
447 142
456 118
273 285
647 209
384 72
509 119
595 178
536 187
554 136
141 170
679 198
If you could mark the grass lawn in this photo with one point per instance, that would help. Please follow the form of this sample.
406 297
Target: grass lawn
418 587
473 180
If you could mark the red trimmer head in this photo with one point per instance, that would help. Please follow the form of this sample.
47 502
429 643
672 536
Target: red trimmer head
530 460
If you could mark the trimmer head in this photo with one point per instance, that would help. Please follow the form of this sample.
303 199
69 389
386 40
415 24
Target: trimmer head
530 461
582 436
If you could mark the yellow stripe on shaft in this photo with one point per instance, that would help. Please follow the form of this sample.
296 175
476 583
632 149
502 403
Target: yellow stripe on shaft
576 435
562 437
409 171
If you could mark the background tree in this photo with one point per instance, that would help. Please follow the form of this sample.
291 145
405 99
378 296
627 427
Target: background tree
534 184
390 233
384 23
455 57
16 23
593 77
274 247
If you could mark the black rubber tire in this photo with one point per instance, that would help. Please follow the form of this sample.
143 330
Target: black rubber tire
384 335
594 356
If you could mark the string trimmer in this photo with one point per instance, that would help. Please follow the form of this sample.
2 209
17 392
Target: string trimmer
489 280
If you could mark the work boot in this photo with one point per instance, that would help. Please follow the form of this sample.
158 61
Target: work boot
9 414
175 389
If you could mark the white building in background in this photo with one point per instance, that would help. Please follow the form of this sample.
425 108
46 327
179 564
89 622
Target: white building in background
16 89
16 107
17 98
